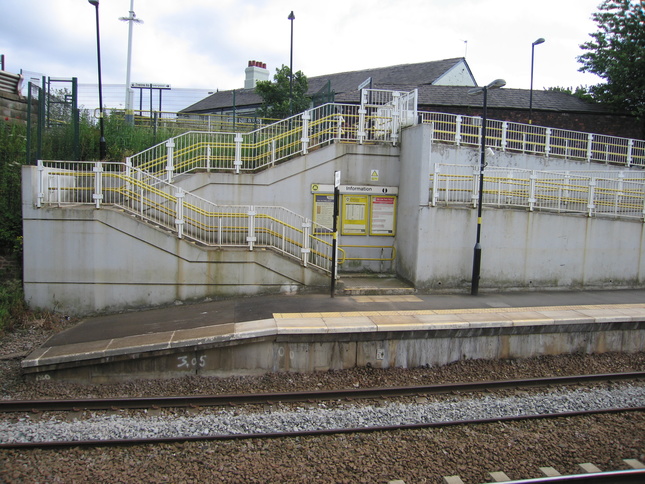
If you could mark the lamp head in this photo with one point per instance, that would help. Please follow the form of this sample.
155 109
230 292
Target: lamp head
291 16
94 2
539 41
496 84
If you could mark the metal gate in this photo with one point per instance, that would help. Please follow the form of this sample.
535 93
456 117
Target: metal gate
383 113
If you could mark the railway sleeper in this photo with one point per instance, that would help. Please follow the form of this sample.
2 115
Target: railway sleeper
550 472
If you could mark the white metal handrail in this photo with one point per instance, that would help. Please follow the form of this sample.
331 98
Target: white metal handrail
250 151
538 140
182 213
617 194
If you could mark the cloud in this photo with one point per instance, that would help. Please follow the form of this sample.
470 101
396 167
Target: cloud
206 44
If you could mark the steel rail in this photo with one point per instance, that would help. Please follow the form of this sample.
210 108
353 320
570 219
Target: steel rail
629 476
7 406
305 433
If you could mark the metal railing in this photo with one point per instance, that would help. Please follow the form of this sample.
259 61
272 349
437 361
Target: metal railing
250 151
183 122
537 140
617 194
184 214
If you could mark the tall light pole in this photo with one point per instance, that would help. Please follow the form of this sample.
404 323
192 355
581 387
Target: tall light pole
102 145
131 18
477 255
537 42
292 18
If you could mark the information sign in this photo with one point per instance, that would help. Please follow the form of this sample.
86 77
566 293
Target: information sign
383 215
354 215
324 211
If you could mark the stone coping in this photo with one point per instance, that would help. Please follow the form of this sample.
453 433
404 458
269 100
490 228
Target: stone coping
330 323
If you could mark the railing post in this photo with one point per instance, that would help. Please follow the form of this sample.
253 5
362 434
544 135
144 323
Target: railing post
306 116
361 125
170 162
209 153
179 212
40 196
504 135
238 153
251 238
339 126
630 150
620 193
532 198
547 143
360 133
396 117
458 122
98 184
272 151
435 181
475 191
306 242
589 147
128 177
591 199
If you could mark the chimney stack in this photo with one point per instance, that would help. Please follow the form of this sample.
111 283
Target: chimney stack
256 71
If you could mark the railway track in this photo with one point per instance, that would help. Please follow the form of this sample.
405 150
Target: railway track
308 398
194 401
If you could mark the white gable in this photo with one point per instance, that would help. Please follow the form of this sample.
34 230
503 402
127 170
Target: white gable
457 75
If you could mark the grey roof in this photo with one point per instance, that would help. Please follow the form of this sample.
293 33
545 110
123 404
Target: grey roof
419 74
407 77
458 96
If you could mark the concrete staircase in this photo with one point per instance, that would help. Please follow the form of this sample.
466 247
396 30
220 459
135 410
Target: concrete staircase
361 284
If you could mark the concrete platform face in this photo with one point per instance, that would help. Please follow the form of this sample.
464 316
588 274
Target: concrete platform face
315 333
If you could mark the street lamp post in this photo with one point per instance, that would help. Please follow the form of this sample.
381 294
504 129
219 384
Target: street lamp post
102 145
537 42
291 17
477 255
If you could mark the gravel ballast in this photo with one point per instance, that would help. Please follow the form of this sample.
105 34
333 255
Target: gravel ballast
231 422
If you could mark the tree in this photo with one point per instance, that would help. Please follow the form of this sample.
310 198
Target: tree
275 95
581 92
616 53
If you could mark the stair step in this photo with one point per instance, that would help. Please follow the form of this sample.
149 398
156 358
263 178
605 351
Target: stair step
371 285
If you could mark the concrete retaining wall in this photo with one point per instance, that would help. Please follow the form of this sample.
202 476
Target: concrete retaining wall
520 249
311 353
93 261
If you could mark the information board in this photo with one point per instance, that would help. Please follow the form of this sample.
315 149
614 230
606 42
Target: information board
354 215
383 215
324 211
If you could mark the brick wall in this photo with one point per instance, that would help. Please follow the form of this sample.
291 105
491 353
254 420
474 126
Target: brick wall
610 124
14 107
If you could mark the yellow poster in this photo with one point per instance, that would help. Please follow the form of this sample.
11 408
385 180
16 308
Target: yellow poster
354 215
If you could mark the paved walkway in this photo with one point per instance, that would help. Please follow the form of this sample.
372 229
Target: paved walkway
193 316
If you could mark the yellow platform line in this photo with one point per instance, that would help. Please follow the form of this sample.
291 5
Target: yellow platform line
422 312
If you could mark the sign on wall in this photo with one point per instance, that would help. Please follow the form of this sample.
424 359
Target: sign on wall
354 215
383 215
365 210
324 211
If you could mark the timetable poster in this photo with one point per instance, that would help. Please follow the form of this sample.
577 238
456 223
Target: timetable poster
324 212
355 210
383 211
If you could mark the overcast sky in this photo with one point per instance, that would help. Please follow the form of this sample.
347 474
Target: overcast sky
207 43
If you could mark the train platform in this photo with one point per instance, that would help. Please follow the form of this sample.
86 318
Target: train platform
375 321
